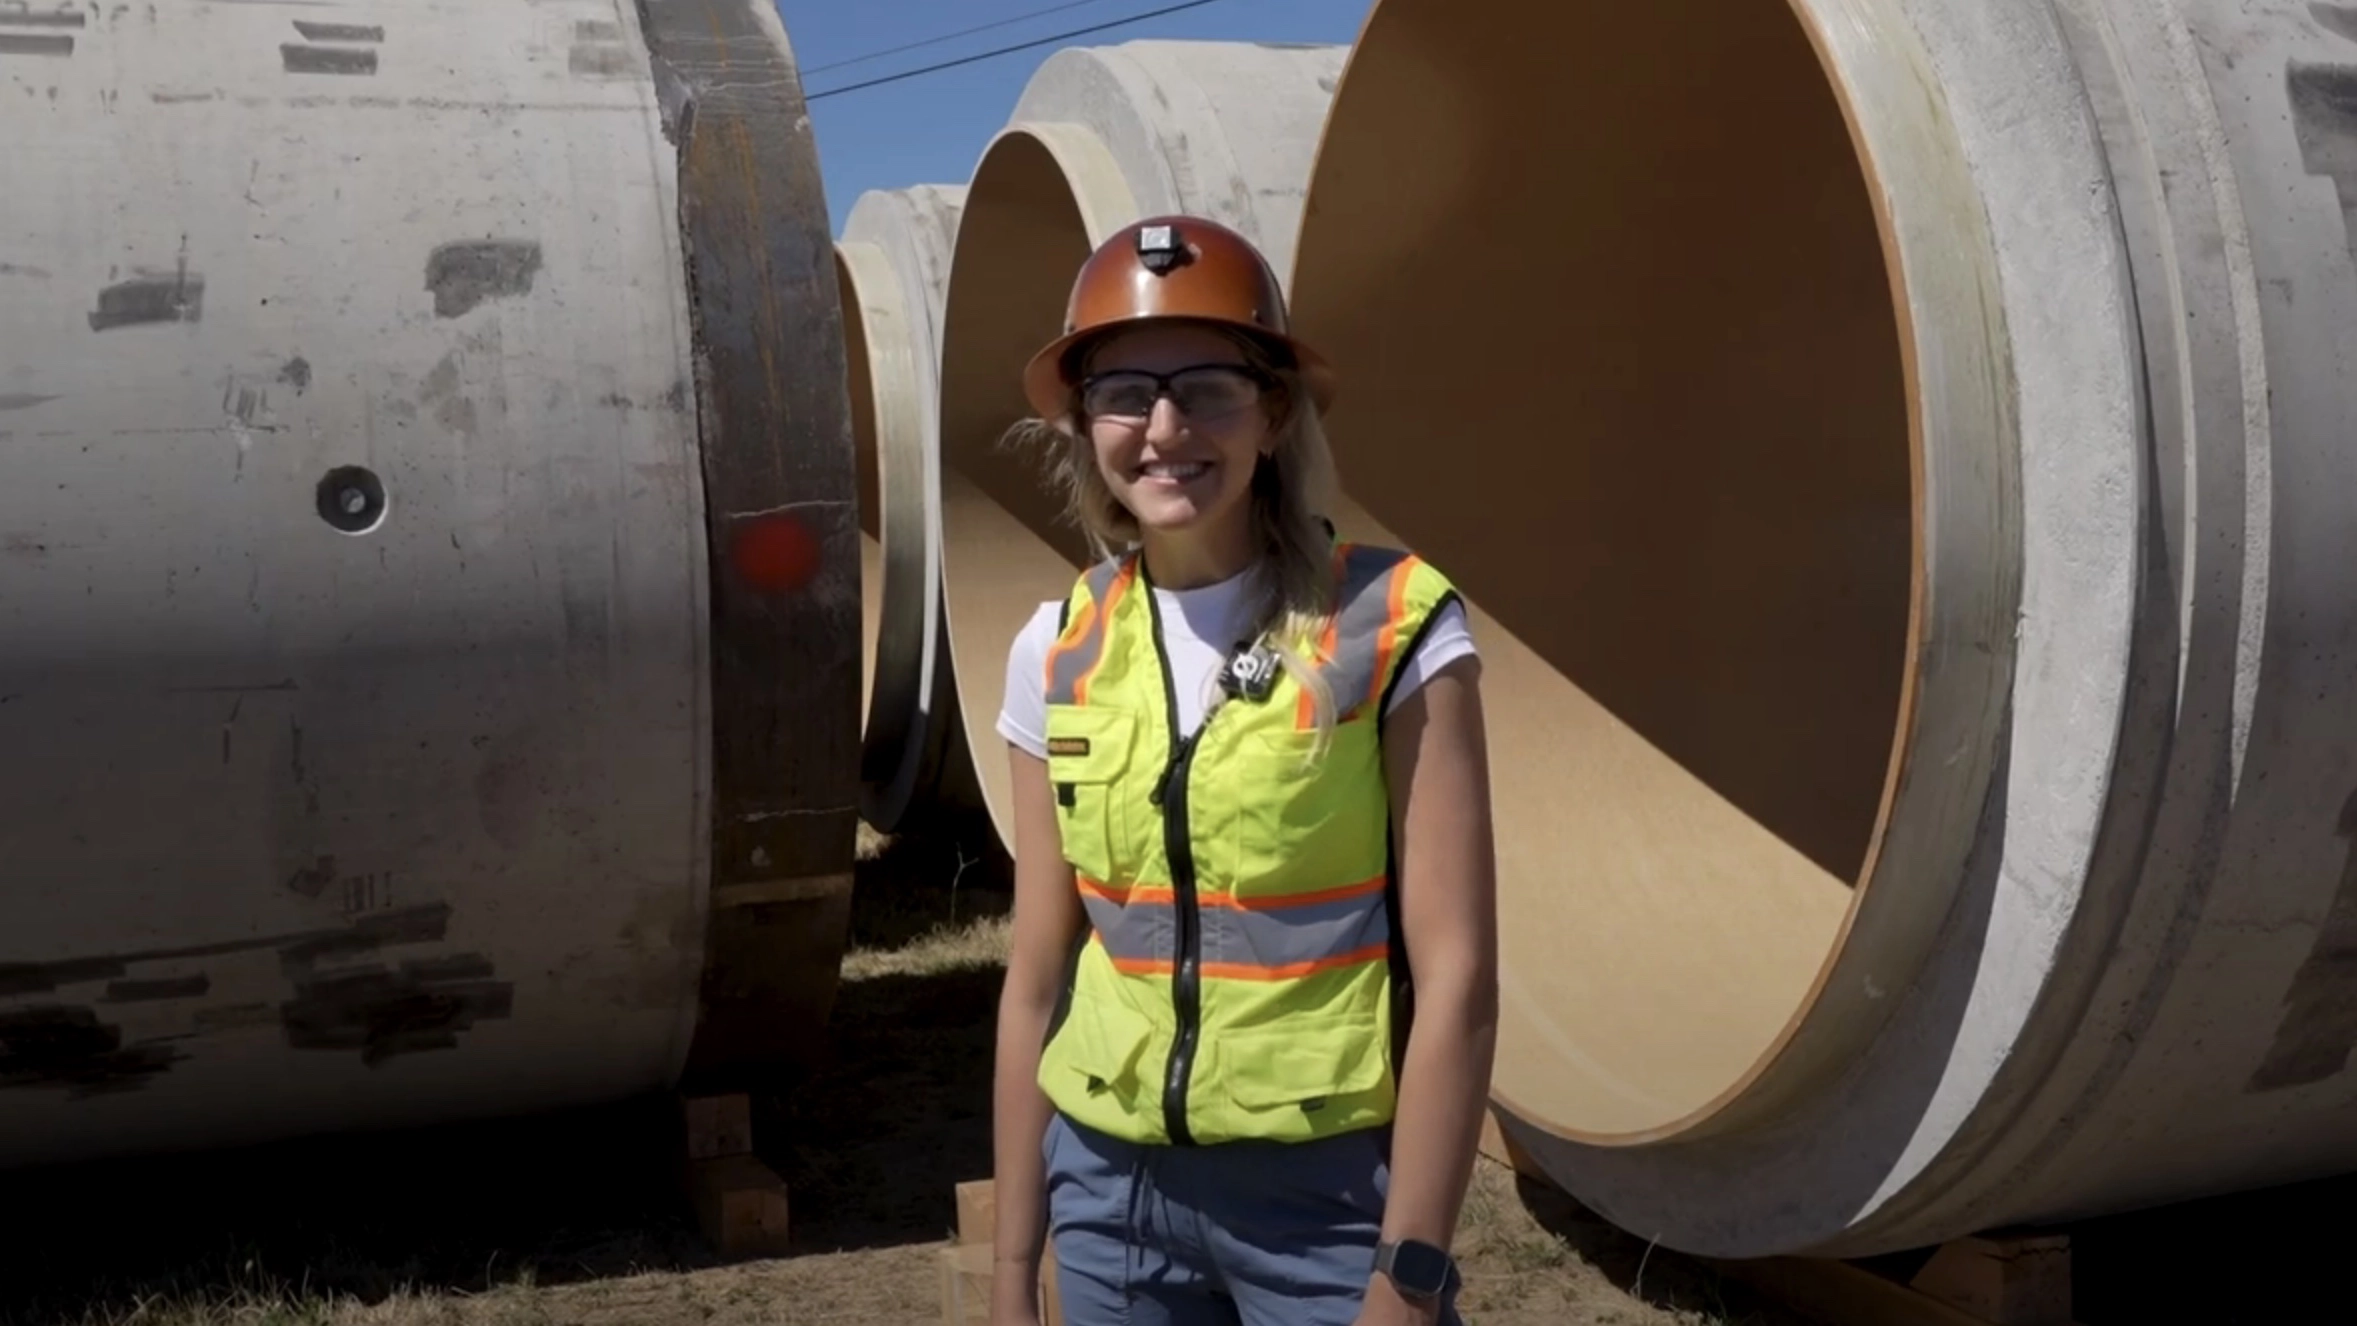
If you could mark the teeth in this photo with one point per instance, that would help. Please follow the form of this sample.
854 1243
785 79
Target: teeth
1169 470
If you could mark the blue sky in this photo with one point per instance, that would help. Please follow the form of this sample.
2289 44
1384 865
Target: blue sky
931 130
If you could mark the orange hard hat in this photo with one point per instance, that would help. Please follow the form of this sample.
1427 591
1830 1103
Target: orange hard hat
1181 267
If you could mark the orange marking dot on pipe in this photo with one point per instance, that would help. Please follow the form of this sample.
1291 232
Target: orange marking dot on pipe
775 553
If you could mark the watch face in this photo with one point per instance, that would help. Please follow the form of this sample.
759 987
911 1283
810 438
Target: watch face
1419 1268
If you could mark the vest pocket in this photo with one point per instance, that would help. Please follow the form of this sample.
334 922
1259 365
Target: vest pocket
1102 1042
1302 1066
1088 752
1299 813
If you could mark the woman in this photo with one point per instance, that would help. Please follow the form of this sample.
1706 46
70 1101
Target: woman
1251 815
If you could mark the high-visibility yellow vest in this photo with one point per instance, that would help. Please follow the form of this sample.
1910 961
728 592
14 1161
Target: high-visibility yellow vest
1239 975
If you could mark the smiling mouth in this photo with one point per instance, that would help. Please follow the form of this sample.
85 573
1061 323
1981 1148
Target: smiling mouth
1175 471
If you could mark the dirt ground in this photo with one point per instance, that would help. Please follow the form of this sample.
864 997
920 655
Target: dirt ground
569 1219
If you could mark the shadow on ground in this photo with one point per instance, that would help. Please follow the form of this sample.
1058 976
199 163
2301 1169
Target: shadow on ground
557 1198
2271 1256
871 1146
1667 1280
2267 1256
877 1141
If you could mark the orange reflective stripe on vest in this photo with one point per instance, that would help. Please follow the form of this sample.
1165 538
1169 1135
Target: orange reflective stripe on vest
1077 650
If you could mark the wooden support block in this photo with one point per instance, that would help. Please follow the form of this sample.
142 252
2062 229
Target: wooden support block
2004 1279
968 1268
967 1274
717 1126
977 1212
965 1285
740 1204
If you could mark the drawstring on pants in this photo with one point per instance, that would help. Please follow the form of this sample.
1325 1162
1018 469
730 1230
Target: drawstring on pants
1143 1189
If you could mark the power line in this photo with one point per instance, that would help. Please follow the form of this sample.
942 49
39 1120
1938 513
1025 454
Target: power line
1008 50
951 36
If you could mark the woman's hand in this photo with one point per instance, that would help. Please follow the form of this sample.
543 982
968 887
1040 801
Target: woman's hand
1385 1306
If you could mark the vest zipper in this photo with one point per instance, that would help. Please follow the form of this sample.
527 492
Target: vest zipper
1170 794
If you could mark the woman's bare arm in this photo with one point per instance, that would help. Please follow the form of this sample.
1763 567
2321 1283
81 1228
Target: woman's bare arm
1048 918
1437 762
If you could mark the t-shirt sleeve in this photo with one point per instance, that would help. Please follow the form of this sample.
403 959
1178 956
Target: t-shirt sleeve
1023 714
1448 639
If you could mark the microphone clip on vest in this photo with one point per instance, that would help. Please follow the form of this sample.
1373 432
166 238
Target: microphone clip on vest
1251 672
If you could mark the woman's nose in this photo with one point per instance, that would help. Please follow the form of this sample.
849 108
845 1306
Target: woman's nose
1166 421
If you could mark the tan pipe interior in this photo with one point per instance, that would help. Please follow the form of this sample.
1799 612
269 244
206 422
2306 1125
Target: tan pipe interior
1606 289
1006 548
860 370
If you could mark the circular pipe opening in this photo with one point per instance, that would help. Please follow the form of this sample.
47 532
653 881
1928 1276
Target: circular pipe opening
1620 357
1006 547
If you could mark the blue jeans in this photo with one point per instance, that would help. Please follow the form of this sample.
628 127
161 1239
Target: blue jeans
1237 1234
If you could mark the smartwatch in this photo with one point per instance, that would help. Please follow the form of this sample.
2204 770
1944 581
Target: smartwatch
1421 1271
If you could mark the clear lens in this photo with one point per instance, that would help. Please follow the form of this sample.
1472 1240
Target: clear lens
1216 390
1202 392
1122 395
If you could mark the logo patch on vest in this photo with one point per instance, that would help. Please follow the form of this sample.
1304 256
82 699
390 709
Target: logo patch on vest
1067 745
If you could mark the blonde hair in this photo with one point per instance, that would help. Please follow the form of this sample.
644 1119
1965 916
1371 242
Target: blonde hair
1293 564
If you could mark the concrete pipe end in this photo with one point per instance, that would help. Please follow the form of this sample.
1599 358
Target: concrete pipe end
1706 667
1040 199
894 258
1800 543
1100 137
489 733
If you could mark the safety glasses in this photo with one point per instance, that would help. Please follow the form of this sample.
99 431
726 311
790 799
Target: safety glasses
1201 391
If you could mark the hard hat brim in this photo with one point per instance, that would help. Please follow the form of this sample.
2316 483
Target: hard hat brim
1049 393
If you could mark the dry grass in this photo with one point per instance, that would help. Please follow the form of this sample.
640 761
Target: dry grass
569 1219
912 924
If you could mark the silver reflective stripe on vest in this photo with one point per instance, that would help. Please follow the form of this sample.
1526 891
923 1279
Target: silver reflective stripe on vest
1277 938
1272 939
1136 931
1071 660
1363 628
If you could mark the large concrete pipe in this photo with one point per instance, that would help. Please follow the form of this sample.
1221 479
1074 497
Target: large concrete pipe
427 565
1902 454
1100 137
893 264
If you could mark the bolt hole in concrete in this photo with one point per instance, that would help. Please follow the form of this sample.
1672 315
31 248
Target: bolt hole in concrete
352 499
1620 355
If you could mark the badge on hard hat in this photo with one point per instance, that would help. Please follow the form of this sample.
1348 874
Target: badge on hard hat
1160 248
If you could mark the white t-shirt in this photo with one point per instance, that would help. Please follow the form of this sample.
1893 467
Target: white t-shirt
1199 629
